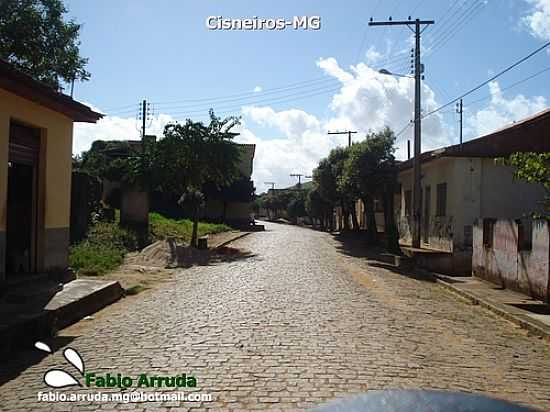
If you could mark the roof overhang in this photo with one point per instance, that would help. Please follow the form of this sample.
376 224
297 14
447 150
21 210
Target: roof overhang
531 134
26 87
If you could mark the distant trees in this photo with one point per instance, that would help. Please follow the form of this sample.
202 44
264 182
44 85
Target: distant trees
370 171
36 39
367 171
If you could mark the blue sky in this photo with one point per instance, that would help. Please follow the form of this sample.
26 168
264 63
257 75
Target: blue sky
163 51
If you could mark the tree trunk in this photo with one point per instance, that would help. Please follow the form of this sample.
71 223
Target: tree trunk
372 233
344 217
194 235
354 217
391 232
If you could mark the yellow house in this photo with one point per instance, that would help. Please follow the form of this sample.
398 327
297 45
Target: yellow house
36 135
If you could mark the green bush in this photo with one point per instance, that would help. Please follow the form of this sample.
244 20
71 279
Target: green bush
103 250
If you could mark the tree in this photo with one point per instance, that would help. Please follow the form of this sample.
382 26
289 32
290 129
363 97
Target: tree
36 40
297 205
318 208
332 188
533 168
192 154
371 171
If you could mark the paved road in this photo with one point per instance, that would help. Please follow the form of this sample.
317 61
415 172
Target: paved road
302 320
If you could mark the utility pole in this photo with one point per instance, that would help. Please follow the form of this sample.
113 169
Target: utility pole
459 110
143 117
348 132
299 176
272 184
418 69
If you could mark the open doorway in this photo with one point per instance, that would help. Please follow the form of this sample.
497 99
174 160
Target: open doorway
22 200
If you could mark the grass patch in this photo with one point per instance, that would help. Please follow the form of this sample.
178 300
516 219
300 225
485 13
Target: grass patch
134 290
103 249
163 227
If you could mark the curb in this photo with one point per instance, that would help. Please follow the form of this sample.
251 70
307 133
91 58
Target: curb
237 237
532 326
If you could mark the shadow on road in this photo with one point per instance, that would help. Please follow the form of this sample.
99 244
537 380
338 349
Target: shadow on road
355 244
29 356
185 257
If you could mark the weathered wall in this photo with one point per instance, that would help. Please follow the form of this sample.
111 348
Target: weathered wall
56 148
527 271
501 192
534 265
236 212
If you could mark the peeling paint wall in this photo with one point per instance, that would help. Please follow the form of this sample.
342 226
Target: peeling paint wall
497 258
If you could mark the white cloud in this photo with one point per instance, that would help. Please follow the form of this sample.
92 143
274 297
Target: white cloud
372 55
538 21
115 128
501 111
258 89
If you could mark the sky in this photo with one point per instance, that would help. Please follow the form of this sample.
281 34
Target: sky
292 86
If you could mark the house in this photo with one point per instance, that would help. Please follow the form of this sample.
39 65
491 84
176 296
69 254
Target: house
234 212
36 135
514 253
462 183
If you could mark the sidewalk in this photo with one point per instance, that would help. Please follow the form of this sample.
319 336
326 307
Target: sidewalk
529 314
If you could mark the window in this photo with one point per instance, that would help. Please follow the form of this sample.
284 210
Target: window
488 232
525 235
441 199
408 199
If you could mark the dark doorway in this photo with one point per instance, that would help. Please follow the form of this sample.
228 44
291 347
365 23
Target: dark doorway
20 216
22 199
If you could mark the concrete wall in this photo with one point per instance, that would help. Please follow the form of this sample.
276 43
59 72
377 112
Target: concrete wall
503 197
236 212
527 271
55 180
476 188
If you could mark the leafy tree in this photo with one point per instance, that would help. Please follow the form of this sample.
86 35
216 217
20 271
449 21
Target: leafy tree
371 171
328 177
192 154
297 206
533 168
35 38
318 208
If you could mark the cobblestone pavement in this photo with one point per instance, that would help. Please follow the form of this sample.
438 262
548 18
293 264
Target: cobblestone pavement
299 322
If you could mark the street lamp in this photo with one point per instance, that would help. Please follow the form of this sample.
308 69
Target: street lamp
388 73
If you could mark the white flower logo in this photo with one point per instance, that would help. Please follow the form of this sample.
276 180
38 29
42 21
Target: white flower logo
58 378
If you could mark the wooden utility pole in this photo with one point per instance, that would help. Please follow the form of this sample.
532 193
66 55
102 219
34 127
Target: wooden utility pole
143 117
418 69
299 176
348 132
459 110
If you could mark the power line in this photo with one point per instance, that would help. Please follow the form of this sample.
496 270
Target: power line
511 86
544 46
465 20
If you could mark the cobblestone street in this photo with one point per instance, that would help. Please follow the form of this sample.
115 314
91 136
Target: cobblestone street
300 321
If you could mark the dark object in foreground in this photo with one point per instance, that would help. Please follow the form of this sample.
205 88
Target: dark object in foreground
419 400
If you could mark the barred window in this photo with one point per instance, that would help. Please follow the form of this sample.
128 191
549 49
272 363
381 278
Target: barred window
441 199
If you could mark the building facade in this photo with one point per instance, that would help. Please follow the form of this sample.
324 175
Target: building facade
36 132
466 182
